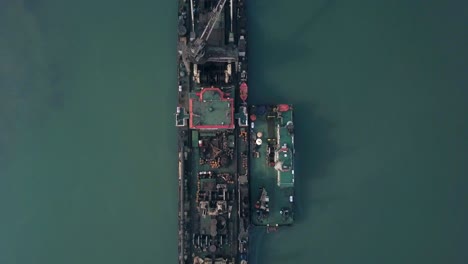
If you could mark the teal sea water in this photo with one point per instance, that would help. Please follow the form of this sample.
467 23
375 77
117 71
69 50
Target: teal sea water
87 145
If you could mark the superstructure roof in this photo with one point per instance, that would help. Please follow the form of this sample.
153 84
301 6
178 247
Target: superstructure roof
211 109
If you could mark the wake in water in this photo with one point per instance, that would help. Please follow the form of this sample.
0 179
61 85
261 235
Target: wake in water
256 235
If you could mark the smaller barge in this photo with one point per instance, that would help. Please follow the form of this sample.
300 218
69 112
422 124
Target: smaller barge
272 165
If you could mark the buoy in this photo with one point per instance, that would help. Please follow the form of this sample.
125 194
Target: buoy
258 141
259 134
253 117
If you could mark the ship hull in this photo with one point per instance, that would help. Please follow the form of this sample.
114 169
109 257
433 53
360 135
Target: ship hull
212 124
219 145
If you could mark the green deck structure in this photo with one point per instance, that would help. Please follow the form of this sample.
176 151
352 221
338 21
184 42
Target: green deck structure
272 163
285 178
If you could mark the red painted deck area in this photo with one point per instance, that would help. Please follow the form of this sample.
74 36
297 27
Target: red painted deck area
200 99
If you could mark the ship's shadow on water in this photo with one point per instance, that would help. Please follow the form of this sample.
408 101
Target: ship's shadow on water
316 149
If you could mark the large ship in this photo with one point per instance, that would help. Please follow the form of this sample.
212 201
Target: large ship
235 161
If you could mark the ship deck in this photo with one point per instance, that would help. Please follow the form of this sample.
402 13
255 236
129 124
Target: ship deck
221 167
212 133
203 224
274 136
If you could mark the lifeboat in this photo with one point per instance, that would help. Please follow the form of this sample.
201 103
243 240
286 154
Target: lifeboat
243 91
283 107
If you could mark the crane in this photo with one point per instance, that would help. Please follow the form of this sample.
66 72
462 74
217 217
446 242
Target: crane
196 48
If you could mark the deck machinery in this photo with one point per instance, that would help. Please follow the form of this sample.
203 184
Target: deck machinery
217 139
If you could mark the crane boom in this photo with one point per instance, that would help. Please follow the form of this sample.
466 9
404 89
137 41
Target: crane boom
199 43
215 13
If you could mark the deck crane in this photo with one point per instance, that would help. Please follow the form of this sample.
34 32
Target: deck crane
196 48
